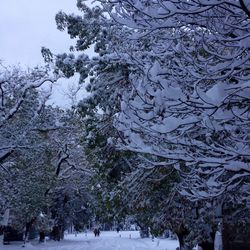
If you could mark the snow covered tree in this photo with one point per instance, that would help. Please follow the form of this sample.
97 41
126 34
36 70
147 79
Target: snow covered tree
191 103
41 153
67 191
184 92
19 90
97 110
52 178
21 102
25 171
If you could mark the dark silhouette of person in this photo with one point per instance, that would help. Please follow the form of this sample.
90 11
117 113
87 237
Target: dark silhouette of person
97 232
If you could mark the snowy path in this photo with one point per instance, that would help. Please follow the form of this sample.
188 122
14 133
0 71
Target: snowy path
107 241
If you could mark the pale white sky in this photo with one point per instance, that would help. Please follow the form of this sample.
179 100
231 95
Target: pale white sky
26 26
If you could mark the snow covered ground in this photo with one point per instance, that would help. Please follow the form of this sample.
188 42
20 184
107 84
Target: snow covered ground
128 240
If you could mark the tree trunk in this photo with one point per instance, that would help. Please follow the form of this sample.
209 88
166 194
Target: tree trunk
41 236
61 232
226 236
206 245
55 234
181 238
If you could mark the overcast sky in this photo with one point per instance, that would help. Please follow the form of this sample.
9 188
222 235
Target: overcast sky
26 26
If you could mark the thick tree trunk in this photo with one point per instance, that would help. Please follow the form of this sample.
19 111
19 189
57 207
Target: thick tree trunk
181 238
226 236
206 245
57 233
41 236
61 232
